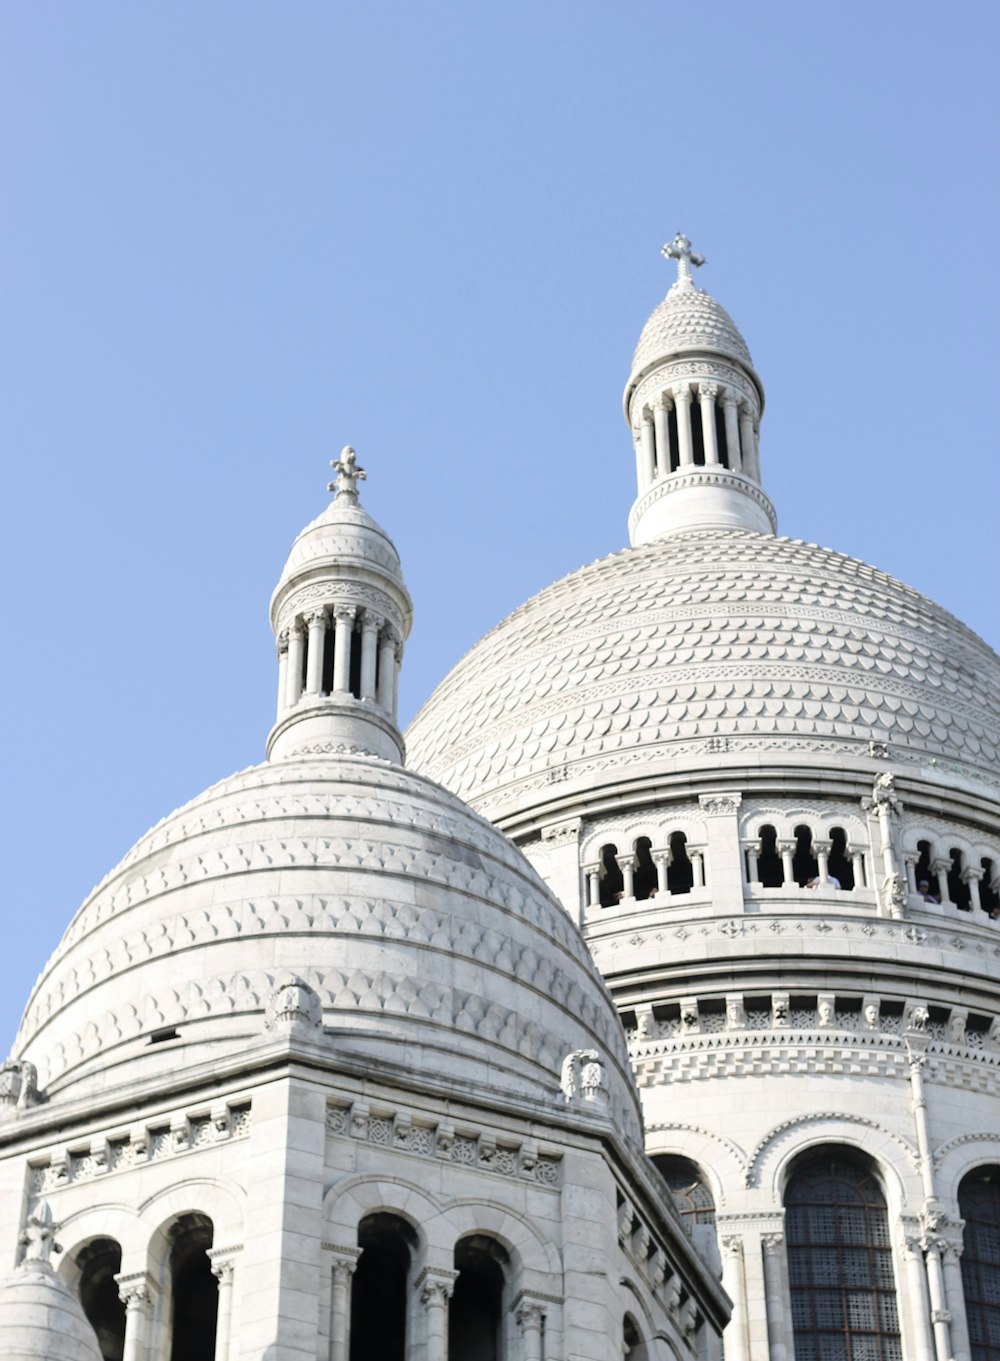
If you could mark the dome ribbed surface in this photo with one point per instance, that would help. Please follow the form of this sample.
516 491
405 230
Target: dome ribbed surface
41 1319
423 931
710 640
688 319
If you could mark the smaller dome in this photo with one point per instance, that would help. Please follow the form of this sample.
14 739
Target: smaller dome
40 1317
344 535
688 319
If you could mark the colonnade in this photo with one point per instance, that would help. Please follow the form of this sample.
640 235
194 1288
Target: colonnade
146 1315
304 657
666 437
627 864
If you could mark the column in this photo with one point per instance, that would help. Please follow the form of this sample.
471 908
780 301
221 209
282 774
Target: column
314 653
627 867
640 480
435 1293
917 1291
939 869
340 1307
647 452
734 1339
910 865
222 1269
661 859
296 642
698 868
940 1317
530 1319
135 1292
386 666
778 1324
822 850
682 401
732 431
593 873
369 654
344 616
955 1299
282 670
397 662
747 446
707 393
972 877
858 865
661 423
786 850
753 869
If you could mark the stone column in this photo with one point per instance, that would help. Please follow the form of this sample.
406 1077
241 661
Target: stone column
661 424
314 653
910 866
786 849
296 642
661 859
940 868
707 393
340 1307
369 654
822 852
223 1268
386 667
344 616
626 864
734 1340
397 662
685 450
778 1323
530 1319
858 865
435 1292
955 1300
917 1290
732 431
940 1317
282 670
136 1293
723 852
747 443
640 481
972 877
593 873
647 452
698 869
753 869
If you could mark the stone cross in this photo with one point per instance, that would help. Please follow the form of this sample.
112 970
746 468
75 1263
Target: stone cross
38 1238
348 475
679 249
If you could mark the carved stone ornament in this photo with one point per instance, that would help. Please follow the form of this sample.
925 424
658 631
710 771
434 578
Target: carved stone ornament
18 1085
720 804
894 895
38 1238
583 1077
294 1005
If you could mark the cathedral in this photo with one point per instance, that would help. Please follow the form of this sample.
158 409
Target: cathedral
642 1001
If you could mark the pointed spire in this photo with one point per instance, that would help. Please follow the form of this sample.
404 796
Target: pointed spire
349 474
679 249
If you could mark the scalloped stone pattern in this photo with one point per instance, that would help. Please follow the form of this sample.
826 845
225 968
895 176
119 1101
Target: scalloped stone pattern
342 532
688 319
710 637
422 929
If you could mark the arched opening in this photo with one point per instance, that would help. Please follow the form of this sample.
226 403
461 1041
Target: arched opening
354 680
979 1206
378 1288
632 1344
644 880
989 898
697 433
922 869
98 1262
675 457
476 1310
688 1188
193 1289
770 871
839 864
840 1260
805 866
329 636
958 889
721 440
612 881
680 872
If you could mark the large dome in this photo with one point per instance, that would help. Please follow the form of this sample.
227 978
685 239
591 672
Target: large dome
431 943
720 642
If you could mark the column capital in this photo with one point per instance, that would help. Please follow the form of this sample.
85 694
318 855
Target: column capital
436 1285
822 847
390 634
708 391
664 402
296 632
681 394
732 1245
729 398
529 1314
370 623
773 1243
345 613
316 617
941 865
281 642
786 847
223 1261
971 873
135 1289
722 804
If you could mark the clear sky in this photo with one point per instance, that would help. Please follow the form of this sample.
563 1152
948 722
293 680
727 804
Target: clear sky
237 235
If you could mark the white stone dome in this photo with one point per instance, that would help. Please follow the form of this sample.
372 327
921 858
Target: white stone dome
41 1319
432 945
717 644
688 319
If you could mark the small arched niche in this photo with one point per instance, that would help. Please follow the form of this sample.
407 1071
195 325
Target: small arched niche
680 871
379 1288
644 878
612 881
194 1291
805 866
475 1315
839 864
770 871
98 1262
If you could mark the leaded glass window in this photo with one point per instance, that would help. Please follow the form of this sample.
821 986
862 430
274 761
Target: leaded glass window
687 1186
979 1206
840 1262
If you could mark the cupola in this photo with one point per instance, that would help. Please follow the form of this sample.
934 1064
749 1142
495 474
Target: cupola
693 403
340 614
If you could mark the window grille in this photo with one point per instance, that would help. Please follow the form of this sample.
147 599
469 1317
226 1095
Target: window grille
840 1263
687 1186
979 1206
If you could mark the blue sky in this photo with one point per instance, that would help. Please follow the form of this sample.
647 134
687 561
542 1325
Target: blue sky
239 235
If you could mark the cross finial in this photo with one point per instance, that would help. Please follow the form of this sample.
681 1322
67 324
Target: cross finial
348 476
38 1239
679 249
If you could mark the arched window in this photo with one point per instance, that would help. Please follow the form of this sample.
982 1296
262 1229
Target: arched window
194 1290
805 866
839 863
958 889
612 879
922 870
633 1346
378 1288
680 874
687 1186
989 898
98 1262
979 1206
476 1309
840 1261
770 871
644 880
